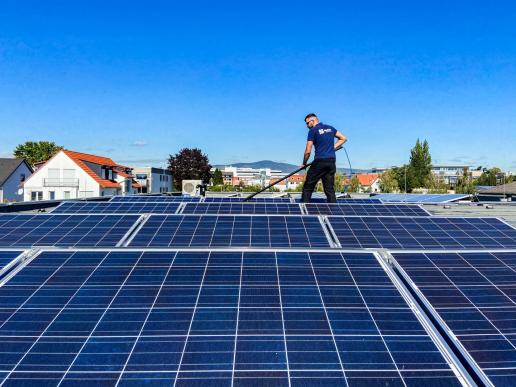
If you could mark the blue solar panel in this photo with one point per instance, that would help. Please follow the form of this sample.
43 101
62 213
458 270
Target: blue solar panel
64 230
192 318
7 257
345 200
421 198
253 200
242 208
130 198
227 230
117 208
423 232
474 295
366 209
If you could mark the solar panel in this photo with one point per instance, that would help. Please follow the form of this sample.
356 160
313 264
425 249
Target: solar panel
242 208
117 208
255 199
7 258
191 318
130 198
230 231
63 230
429 232
421 198
343 200
473 294
366 209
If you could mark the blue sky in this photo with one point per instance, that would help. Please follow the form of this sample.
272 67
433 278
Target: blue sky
138 82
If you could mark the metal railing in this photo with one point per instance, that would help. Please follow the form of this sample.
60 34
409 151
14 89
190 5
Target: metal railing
60 182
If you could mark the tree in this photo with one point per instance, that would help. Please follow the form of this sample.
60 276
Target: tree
36 152
464 183
421 164
437 185
217 177
354 184
489 177
388 181
189 164
339 182
405 177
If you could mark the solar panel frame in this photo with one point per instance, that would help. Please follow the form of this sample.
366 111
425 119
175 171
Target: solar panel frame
157 199
8 259
432 232
66 230
365 209
139 321
267 231
247 208
421 198
117 208
462 306
241 199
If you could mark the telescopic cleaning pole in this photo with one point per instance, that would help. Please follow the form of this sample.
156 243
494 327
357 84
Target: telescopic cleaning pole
283 178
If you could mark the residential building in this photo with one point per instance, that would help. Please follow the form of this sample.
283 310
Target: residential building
449 174
72 175
13 173
249 176
498 193
153 180
369 182
292 182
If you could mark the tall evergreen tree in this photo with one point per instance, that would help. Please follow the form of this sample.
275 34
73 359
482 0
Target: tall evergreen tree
217 177
421 164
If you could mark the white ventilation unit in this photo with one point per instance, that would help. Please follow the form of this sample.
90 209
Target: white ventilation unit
190 187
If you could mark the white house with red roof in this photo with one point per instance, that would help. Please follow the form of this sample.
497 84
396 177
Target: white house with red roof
369 182
72 175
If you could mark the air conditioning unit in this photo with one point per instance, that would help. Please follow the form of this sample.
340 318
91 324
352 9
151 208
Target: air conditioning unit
190 187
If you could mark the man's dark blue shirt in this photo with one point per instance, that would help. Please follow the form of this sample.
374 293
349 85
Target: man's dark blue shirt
323 137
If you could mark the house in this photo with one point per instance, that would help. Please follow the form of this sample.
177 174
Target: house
369 182
291 182
13 172
72 175
153 180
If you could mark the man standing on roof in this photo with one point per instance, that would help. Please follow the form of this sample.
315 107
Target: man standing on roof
322 137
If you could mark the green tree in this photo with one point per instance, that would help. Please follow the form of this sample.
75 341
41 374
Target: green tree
464 183
421 164
339 182
217 177
405 177
437 185
489 177
36 152
354 184
189 164
388 181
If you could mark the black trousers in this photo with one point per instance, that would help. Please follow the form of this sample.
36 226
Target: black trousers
320 169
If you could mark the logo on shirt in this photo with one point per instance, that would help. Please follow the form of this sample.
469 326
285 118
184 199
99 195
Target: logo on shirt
322 131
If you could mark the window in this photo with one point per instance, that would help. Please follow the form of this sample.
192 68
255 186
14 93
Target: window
51 195
22 177
67 194
36 195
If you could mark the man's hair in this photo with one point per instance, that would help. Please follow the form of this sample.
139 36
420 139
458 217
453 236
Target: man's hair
310 116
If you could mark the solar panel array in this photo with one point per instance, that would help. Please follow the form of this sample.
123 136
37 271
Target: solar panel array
473 293
230 231
164 290
64 230
422 232
421 198
191 318
117 208
366 209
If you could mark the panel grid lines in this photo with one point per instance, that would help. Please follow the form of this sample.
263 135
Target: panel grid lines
117 208
226 316
242 208
366 209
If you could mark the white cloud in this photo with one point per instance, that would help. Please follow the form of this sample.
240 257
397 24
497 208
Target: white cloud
139 143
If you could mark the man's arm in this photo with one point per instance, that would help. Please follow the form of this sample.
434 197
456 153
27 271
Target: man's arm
308 150
341 139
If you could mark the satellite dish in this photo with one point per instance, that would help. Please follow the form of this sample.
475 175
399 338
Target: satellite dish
20 191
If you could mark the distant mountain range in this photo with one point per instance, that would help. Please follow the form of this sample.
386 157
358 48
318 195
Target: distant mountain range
284 167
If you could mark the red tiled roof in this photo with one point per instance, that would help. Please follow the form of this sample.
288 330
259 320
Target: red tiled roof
367 178
79 159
